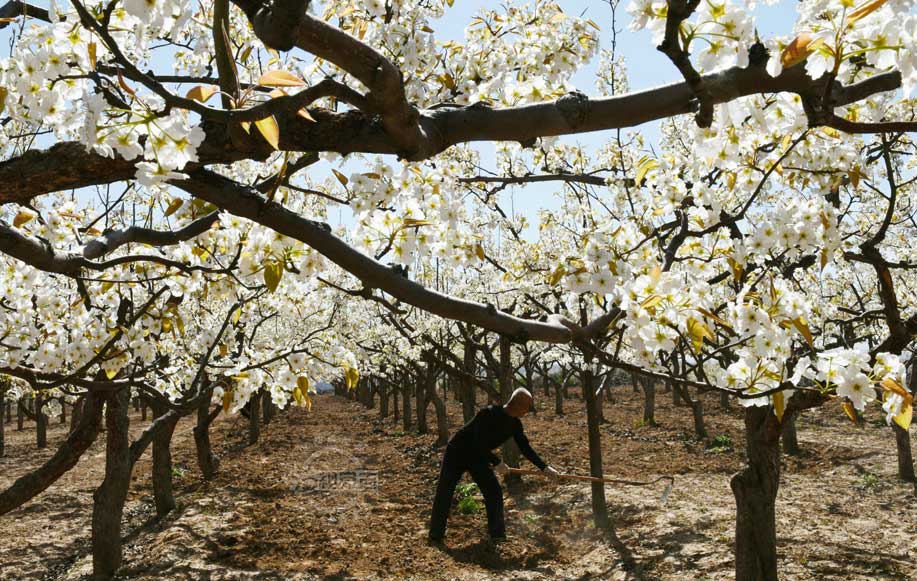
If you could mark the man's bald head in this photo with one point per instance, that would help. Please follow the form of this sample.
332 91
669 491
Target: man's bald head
519 403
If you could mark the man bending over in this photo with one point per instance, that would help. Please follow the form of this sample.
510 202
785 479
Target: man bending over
469 450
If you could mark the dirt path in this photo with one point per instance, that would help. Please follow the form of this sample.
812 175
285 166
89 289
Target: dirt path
337 493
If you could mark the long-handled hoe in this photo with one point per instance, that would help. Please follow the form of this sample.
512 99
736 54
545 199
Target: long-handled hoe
670 480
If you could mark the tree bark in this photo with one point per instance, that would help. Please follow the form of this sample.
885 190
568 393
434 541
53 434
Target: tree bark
206 461
3 421
41 422
28 486
109 497
649 402
20 415
383 400
788 434
254 418
755 491
76 412
559 388
396 411
405 404
421 402
268 408
905 457
510 449
442 420
162 461
467 387
599 508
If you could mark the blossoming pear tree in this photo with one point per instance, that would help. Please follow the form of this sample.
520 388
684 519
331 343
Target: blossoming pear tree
169 169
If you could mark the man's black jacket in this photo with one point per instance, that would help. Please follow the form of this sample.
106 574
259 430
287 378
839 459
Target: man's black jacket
489 428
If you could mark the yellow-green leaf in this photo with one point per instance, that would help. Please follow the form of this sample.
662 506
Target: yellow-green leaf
341 177
698 331
799 49
280 79
23 217
851 412
646 164
174 205
779 405
864 10
273 272
479 251
92 49
202 93
270 130
227 400
803 328
351 377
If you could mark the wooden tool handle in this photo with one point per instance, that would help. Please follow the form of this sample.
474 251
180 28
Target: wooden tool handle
591 478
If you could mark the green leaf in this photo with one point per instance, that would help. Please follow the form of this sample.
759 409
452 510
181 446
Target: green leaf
273 272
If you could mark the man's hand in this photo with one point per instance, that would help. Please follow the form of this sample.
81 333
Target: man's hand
502 469
551 472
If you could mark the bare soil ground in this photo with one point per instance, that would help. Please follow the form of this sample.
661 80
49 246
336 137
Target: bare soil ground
841 512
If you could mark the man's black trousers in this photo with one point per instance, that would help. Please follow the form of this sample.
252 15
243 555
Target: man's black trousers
456 463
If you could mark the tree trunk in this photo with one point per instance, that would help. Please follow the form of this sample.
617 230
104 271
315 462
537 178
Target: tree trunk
421 402
41 422
442 421
143 410
2 422
405 405
28 486
254 418
510 449
755 491
467 385
267 408
162 461
724 400
559 389
396 411
206 461
649 402
109 497
76 412
788 434
903 440
905 458
383 400
20 415
63 411
697 410
676 395
599 508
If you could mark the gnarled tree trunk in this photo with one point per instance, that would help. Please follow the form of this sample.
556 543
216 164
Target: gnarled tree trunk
162 461
254 418
206 461
109 497
28 486
788 433
755 491
442 420
41 422
510 449
599 508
